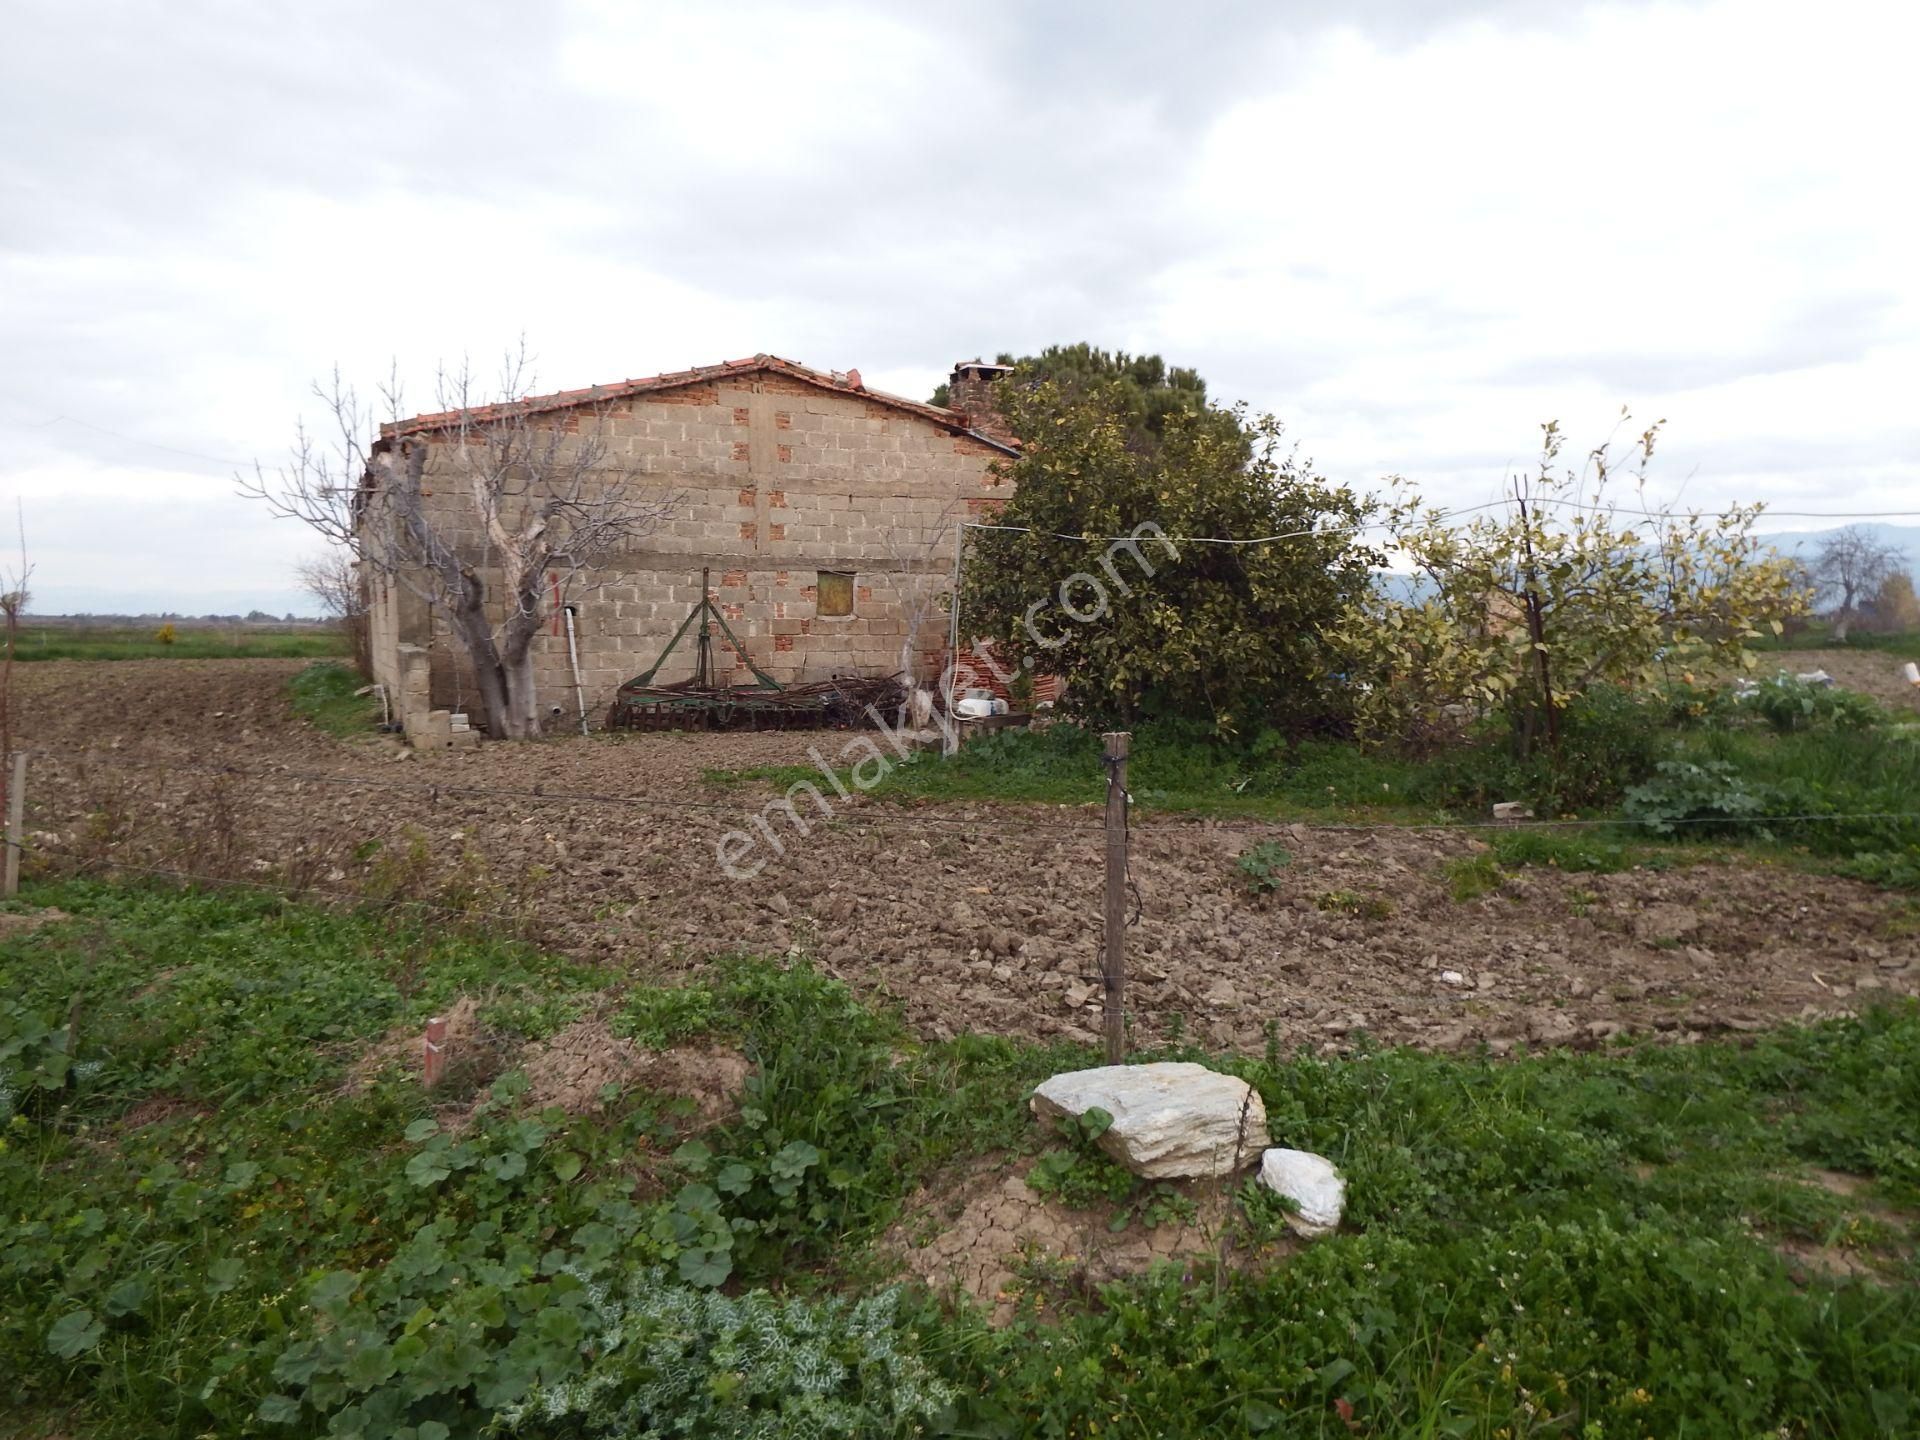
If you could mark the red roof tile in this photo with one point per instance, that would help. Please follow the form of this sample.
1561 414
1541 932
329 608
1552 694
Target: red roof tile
847 383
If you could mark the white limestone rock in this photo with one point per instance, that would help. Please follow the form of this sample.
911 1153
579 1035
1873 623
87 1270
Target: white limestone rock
1311 1182
1170 1120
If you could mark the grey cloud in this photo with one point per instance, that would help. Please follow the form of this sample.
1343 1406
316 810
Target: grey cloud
1027 187
1801 332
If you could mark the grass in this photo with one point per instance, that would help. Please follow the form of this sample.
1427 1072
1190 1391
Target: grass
777 777
1168 771
227 642
324 694
210 1235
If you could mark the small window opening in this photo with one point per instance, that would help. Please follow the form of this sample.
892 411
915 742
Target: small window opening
833 593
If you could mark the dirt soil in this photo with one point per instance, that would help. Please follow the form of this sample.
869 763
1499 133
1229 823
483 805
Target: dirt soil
25 922
969 917
976 1233
573 1069
577 1069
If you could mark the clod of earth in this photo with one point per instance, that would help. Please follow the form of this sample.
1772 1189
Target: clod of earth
1311 1183
978 1231
1171 1120
579 1067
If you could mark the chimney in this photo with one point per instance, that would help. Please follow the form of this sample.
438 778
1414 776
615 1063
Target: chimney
970 391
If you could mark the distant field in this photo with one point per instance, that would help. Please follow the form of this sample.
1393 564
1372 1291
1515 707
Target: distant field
196 642
1819 636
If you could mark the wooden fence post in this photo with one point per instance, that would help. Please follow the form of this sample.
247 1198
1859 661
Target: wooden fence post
16 821
1113 953
434 1052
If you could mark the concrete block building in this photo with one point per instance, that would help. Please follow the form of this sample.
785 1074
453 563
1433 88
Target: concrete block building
824 513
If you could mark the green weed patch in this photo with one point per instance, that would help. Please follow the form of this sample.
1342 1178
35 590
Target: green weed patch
209 1233
324 694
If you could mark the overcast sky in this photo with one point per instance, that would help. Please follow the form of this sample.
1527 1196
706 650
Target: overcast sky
1412 229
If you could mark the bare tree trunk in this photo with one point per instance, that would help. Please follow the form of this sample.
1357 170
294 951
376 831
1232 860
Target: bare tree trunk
516 662
1537 635
521 695
476 637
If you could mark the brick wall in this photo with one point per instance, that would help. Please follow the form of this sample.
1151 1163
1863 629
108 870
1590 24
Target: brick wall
981 669
771 481
970 391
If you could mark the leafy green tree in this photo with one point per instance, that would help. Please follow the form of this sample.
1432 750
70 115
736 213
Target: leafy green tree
1109 584
1563 589
1143 389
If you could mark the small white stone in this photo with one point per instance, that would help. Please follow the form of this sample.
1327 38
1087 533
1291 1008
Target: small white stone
1311 1182
1452 977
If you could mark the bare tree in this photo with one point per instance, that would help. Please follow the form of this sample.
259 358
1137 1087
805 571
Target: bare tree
925 551
511 492
334 581
1850 566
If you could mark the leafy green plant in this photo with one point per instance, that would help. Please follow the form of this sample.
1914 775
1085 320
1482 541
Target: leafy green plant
1786 703
1078 1173
36 1057
1896 869
1705 796
1260 866
670 1360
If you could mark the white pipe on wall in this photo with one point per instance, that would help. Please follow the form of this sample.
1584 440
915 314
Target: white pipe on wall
573 659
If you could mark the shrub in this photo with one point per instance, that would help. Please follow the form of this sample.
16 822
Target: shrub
1609 741
1836 791
1689 706
1897 869
1786 703
1710 796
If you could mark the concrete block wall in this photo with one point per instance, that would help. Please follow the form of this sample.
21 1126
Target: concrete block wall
769 480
